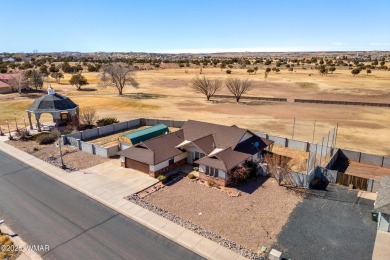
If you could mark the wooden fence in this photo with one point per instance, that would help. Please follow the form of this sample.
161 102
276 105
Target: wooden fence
357 182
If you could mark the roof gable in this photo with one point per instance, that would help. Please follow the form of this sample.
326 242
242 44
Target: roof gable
224 136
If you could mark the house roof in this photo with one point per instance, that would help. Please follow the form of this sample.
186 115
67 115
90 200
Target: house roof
4 85
8 76
51 103
156 150
224 160
147 133
253 145
382 203
224 136
206 144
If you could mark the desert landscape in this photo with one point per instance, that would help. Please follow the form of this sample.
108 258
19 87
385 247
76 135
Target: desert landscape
166 93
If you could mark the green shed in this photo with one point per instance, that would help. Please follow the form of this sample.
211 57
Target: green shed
147 133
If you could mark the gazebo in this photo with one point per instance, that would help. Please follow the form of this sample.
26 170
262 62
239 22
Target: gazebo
60 107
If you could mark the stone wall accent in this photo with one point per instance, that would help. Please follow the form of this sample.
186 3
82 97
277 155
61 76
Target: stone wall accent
219 181
168 168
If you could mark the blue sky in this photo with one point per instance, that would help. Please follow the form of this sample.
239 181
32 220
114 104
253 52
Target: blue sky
194 25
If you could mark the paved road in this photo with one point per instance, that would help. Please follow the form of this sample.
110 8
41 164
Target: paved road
44 211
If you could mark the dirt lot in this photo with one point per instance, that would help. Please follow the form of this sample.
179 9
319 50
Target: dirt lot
72 157
253 219
167 94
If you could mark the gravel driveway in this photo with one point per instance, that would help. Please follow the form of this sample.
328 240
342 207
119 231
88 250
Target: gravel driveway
332 225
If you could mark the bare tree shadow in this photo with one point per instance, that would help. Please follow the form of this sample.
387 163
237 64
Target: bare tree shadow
251 185
144 96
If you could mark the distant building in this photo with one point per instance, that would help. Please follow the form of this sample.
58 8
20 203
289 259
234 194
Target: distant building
5 82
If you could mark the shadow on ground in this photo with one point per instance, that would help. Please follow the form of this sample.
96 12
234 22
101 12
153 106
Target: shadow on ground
332 224
251 185
144 96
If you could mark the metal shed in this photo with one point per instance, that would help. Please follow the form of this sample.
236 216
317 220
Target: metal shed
148 133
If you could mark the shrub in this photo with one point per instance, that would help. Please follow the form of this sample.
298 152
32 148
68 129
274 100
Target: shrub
107 121
191 176
47 138
23 134
162 178
228 72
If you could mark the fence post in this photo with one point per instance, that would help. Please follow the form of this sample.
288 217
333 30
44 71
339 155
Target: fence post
293 130
81 135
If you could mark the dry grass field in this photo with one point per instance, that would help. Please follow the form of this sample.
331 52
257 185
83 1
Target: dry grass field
167 93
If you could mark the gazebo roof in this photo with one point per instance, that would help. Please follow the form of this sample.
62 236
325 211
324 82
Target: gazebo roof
52 102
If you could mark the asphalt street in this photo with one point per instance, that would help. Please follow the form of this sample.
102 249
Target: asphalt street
44 211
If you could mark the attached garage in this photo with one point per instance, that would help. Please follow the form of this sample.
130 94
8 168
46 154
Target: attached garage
139 166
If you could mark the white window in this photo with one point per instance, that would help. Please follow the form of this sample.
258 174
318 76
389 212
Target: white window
211 171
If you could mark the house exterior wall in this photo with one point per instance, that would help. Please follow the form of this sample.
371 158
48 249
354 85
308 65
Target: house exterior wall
384 222
154 168
190 152
219 181
180 157
5 90
221 174
168 168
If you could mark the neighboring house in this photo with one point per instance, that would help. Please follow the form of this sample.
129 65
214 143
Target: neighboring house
382 204
215 149
5 87
5 82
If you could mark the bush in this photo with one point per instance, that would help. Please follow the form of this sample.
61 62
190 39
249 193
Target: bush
107 121
47 138
228 72
191 176
23 134
162 178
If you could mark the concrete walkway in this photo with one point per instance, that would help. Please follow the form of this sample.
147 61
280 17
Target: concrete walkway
110 192
382 246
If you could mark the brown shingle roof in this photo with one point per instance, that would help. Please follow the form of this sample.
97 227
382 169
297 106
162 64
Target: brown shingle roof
224 160
206 144
156 150
382 203
224 136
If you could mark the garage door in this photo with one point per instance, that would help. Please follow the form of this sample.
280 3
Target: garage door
139 166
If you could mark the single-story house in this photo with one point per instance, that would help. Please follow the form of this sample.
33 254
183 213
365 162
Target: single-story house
382 204
5 87
5 82
215 149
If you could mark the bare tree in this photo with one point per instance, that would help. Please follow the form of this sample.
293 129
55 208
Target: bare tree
88 116
238 87
118 75
19 82
277 167
206 86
